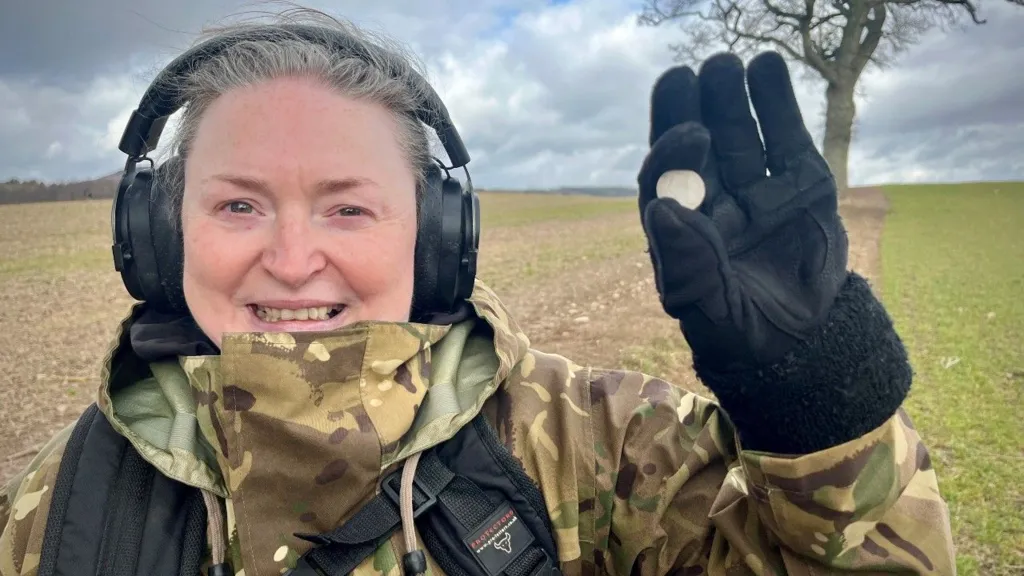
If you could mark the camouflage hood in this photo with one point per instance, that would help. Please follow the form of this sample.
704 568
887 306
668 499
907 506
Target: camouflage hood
296 429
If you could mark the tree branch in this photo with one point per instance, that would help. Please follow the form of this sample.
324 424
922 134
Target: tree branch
740 34
829 17
653 14
837 39
867 47
782 13
812 57
968 6
842 6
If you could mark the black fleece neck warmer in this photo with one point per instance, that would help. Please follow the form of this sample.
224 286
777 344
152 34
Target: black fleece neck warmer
159 336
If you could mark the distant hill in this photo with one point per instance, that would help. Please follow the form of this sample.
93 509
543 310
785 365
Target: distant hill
609 191
16 191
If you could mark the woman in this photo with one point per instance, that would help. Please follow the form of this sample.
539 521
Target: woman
301 386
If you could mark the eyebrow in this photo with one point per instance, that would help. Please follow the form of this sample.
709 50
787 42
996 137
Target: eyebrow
324 186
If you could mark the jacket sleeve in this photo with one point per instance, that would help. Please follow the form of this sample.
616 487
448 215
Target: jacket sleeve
24 507
676 491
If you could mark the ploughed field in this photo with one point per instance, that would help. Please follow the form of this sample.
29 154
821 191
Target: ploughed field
948 261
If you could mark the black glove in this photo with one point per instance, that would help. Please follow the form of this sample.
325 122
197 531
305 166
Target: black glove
758 265
753 274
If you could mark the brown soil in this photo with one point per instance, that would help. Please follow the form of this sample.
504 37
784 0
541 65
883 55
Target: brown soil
863 211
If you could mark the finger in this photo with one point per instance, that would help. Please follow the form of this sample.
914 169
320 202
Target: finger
789 145
683 147
675 100
726 113
688 256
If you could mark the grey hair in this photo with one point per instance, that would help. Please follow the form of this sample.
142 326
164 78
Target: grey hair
381 76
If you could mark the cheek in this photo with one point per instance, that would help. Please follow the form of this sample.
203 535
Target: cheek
380 262
214 264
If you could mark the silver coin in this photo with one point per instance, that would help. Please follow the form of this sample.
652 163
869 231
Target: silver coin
685 186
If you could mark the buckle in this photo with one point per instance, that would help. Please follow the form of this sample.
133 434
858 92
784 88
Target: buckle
420 493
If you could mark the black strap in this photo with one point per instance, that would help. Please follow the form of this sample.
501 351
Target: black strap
76 536
126 516
112 513
455 513
471 508
62 492
342 549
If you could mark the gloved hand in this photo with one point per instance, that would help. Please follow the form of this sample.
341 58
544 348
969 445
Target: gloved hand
755 269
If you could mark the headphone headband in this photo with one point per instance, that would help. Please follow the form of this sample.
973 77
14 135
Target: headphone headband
160 101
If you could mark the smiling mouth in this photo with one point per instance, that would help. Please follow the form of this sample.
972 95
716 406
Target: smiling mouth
314 314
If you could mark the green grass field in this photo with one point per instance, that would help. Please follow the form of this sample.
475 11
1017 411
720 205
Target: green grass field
953 280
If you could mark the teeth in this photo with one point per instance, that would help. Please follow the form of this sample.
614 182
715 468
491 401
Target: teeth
278 314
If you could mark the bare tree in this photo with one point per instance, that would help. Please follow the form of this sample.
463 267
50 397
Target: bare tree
835 39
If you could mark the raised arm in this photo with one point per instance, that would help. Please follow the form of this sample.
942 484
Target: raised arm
824 468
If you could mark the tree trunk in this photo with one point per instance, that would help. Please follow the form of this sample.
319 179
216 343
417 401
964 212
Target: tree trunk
839 113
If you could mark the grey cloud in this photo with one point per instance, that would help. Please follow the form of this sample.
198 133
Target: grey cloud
68 43
56 121
70 69
555 108
590 117
963 77
944 154
952 107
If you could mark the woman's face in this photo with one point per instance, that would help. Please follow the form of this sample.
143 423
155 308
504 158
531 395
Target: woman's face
299 213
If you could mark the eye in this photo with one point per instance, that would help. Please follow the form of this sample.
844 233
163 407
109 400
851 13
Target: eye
239 207
350 211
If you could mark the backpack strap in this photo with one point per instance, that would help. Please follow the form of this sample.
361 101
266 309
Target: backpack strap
478 512
111 513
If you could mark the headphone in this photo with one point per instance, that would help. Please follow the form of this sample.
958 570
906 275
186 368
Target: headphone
148 246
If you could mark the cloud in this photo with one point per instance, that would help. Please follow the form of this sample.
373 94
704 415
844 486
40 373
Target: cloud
56 134
560 97
545 93
951 111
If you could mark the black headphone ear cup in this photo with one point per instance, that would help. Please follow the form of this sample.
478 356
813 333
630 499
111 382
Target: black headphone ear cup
470 244
149 254
141 274
428 246
458 250
448 267
124 258
165 229
447 241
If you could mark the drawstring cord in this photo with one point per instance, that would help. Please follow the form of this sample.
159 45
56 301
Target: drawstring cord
215 534
414 562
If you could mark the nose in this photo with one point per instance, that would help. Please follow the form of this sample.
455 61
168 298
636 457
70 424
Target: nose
293 255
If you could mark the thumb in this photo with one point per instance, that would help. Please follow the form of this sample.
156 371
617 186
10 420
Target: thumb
688 256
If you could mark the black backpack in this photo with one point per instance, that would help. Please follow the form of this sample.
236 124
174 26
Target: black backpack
113 514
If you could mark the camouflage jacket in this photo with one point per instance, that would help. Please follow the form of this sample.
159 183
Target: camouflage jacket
294 431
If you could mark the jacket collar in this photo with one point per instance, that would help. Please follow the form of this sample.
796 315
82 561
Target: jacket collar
372 380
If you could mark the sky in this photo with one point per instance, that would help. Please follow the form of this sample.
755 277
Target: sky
545 93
